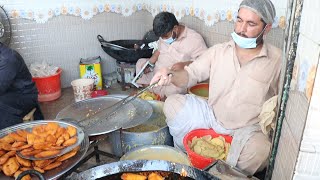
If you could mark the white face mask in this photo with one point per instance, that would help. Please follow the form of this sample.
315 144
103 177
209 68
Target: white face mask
169 40
246 43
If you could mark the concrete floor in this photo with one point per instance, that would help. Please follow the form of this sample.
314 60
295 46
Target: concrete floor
52 108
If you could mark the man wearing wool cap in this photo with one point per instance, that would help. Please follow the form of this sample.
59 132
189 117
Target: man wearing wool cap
243 74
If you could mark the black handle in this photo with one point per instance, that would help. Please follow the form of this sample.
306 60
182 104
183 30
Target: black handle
34 172
107 44
100 39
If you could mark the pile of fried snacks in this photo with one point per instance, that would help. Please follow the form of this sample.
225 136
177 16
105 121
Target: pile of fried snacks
147 95
154 175
42 141
209 147
133 176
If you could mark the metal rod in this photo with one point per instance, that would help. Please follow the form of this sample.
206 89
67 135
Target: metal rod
96 149
128 99
140 73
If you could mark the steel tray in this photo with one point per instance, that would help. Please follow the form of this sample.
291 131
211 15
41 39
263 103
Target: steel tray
28 127
66 165
92 113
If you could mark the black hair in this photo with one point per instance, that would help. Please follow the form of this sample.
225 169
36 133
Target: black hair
164 23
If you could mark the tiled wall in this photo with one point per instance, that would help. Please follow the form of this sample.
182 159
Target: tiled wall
308 163
63 40
285 161
300 137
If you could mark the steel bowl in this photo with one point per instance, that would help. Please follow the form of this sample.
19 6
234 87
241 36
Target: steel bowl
157 152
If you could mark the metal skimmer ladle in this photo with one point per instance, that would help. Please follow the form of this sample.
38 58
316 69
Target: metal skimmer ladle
128 99
116 107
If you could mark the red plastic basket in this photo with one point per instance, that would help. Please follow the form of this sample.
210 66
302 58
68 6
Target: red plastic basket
197 160
49 87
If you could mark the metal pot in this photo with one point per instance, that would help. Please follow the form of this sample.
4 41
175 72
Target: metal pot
153 132
116 169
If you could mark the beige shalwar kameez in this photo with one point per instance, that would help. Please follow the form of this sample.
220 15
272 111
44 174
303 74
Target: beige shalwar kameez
236 95
187 47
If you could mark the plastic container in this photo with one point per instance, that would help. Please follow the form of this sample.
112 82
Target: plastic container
197 160
82 89
98 93
201 90
49 87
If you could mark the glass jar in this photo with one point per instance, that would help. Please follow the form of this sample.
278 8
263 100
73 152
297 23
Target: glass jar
108 82
114 77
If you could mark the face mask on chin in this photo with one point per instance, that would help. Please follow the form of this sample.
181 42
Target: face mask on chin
246 43
169 40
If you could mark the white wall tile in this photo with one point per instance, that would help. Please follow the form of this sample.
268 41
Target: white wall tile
286 154
308 165
63 40
310 20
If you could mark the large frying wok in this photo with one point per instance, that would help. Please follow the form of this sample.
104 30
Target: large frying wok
116 169
124 51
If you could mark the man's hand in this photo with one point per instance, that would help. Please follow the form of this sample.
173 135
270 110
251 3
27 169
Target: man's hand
153 59
147 70
163 77
180 65
148 67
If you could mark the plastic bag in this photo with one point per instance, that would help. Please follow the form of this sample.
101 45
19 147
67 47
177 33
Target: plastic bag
42 69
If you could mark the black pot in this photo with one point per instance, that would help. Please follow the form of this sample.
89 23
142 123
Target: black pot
116 169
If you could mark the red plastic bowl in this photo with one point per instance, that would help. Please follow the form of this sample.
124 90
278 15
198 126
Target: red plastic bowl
201 89
98 93
197 160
